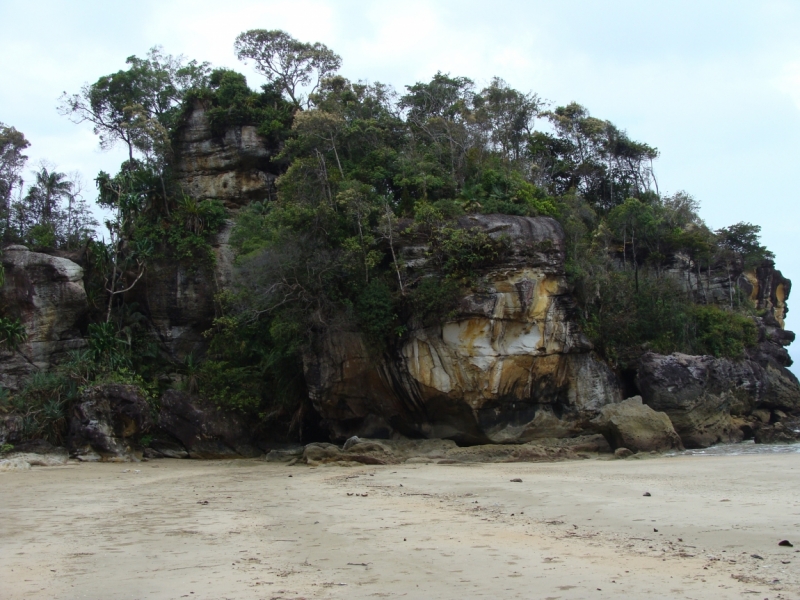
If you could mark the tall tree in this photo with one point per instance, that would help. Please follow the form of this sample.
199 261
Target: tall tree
508 116
441 112
12 161
294 65
139 105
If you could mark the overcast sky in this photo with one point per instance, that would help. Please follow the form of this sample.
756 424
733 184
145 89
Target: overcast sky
715 85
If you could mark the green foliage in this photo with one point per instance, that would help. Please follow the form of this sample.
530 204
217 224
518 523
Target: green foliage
742 241
43 404
6 448
460 253
41 236
48 396
434 300
376 306
721 332
12 333
255 367
253 230
507 192
229 386
660 317
107 350
233 103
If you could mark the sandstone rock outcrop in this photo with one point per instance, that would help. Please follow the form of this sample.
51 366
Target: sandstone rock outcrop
390 452
179 301
47 294
511 366
201 428
633 425
709 399
234 167
107 422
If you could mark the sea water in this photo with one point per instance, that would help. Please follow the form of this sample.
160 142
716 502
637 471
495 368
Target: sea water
748 447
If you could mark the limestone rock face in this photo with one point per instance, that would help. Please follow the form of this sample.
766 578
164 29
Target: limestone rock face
233 168
107 421
46 293
512 366
633 425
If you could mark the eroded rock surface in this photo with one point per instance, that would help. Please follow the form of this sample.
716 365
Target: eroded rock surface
633 425
179 300
511 366
107 422
390 452
708 399
234 167
199 427
46 293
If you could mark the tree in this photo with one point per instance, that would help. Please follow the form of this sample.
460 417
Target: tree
292 64
126 195
79 224
48 190
441 111
633 218
508 116
138 105
12 160
594 157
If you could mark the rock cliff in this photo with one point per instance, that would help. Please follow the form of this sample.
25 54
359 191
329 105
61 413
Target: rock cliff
511 366
234 167
179 300
712 400
47 294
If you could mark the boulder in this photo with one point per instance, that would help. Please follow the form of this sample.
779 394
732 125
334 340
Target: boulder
388 452
107 423
46 294
11 429
633 425
781 432
201 428
706 397
510 366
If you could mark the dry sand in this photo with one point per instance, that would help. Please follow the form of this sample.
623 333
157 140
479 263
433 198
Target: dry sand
249 529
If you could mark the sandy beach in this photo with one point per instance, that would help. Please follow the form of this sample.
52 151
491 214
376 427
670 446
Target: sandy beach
249 529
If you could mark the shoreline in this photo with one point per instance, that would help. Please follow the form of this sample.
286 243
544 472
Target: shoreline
251 529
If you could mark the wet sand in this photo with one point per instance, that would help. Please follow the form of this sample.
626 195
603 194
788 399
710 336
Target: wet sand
249 529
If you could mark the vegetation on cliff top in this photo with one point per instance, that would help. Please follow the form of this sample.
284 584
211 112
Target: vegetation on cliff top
362 166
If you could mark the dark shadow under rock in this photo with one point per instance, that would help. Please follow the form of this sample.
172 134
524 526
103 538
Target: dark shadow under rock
204 430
